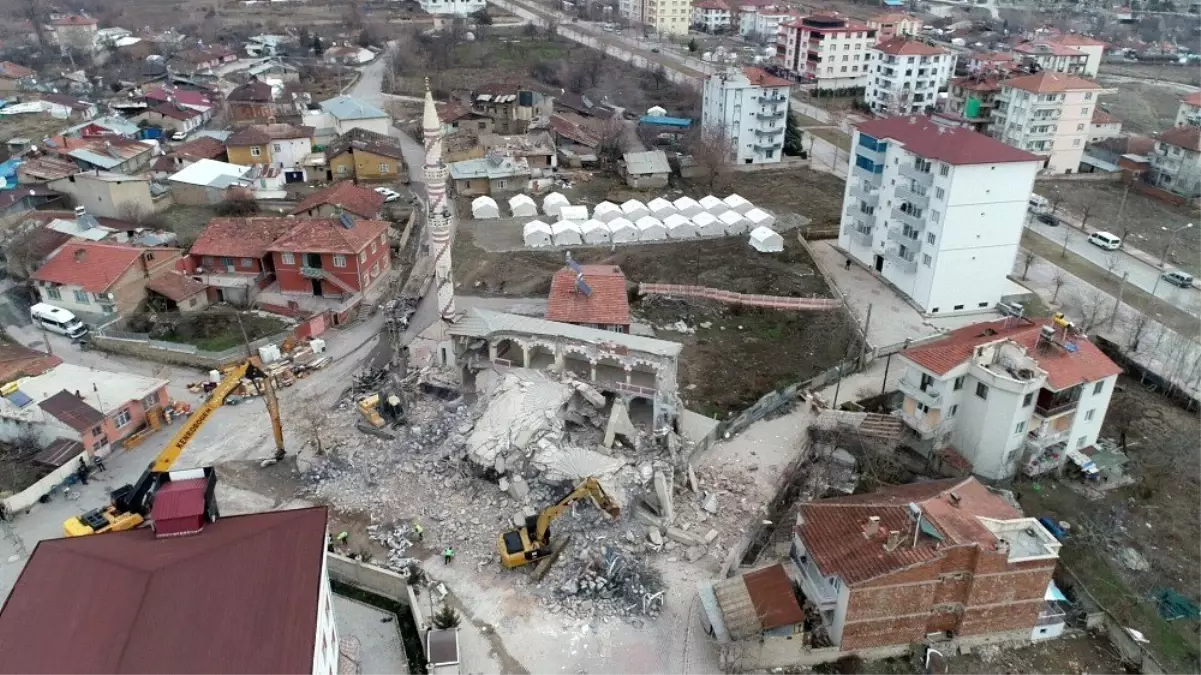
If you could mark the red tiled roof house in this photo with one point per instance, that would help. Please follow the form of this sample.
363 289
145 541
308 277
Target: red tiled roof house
231 257
1008 396
597 299
335 258
358 201
947 557
101 281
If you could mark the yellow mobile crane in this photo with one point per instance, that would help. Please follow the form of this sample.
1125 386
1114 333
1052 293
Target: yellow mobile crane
531 541
131 503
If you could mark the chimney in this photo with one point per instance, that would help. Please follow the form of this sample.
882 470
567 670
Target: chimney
80 211
894 540
955 499
872 527
80 254
338 210
1002 546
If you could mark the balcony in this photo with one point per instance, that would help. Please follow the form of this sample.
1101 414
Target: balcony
815 587
312 272
770 99
1040 135
912 387
768 116
861 236
911 243
1053 406
869 177
922 426
778 131
1046 436
873 156
916 222
767 146
909 195
869 197
919 176
906 263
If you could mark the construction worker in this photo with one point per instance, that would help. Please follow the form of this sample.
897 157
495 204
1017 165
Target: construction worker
448 555
343 537
419 531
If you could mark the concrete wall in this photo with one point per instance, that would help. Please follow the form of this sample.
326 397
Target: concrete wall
180 354
30 495
105 198
195 195
1086 431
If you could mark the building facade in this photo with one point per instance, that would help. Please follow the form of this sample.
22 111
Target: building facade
1176 161
710 16
1092 48
1189 112
110 195
667 17
906 76
365 155
971 100
101 281
937 211
895 24
452 7
1008 396
322 257
762 24
828 50
751 108
1047 114
282 146
1053 57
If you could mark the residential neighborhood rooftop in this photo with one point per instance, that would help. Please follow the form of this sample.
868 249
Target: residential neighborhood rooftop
210 173
607 303
953 145
900 46
92 266
360 201
1187 137
328 235
348 108
1048 82
239 237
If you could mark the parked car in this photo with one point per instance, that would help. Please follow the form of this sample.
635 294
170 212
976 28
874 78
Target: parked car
389 194
1107 241
1047 219
179 136
1178 278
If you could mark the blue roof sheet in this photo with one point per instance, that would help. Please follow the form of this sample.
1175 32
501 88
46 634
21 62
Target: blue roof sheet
351 108
659 120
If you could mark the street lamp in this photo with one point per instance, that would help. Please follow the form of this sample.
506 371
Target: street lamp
1164 255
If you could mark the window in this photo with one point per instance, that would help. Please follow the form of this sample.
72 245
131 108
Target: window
957 307
982 390
373 248
108 309
1084 112
954 409
208 261
958 384
1075 142
926 259
96 431
228 263
1098 387
288 258
339 261
944 170
1079 127
375 269
930 238
151 400
1088 416
1019 428
922 407
940 193
383 239
1028 400
255 151
1081 441
934 216
362 256
122 418
383 167
82 298
53 294
1088 96
247 262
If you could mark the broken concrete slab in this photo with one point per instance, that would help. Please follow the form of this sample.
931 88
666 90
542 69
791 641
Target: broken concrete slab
655 536
620 425
710 536
693 483
519 488
710 503
663 494
680 536
695 553
589 393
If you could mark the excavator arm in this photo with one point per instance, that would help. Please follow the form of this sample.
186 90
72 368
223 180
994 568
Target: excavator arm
590 488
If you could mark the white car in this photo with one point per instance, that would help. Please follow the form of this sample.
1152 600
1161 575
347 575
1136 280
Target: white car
179 136
389 195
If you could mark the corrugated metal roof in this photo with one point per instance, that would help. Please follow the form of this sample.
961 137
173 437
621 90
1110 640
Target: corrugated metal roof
72 411
771 593
483 323
179 499
350 108
644 163
737 609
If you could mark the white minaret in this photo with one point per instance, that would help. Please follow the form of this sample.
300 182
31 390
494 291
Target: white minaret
437 215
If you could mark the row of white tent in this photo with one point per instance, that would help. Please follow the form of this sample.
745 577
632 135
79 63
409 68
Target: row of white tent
555 204
621 230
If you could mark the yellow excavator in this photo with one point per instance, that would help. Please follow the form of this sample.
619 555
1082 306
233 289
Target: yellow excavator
131 503
531 541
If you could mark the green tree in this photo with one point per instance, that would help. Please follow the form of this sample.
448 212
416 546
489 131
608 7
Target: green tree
794 137
693 46
482 17
446 618
364 38
318 45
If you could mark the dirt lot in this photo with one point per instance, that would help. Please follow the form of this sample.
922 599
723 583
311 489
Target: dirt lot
1170 73
813 194
1076 655
1156 516
33 127
1142 218
1145 107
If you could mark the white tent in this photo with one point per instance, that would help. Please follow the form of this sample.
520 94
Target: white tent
734 222
594 232
536 233
552 202
760 218
622 231
679 227
766 240
606 212
688 207
707 225
566 233
484 207
650 229
713 205
661 208
633 209
736 202
576 214
522 206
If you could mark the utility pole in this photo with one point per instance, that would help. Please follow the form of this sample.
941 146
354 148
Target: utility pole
867 322
1118 305
887 365
268 396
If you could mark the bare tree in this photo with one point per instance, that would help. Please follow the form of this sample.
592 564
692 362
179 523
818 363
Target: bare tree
1058 281
610 145
21 254
134 212
1112 262
1027 260
311 419
1085 212
1055 200
711 148
1090 309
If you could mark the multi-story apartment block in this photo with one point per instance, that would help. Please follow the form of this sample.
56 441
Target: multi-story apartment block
1093 50
936 210
827 49
667 17
751 107
1051 56
711 16
453 7
1189 113
73 31
1007 396
1176 161
906 76
895 24
1048 114
762 24
971 99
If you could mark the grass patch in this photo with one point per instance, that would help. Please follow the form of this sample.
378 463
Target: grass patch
211 331
835 137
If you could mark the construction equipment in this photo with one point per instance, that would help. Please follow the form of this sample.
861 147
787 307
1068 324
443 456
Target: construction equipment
531 541
131 503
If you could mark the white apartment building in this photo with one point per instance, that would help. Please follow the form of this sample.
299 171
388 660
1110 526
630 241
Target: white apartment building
1093 50
1048 114
711 16
1051 56
1176 161
452 7
906 76
751 106
1189 113
667 17
895 24
827 50
763 23
1007 396
936 210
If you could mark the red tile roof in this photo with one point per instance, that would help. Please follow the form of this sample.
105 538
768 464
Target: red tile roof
893 17
977 83
1064 369
900 46
240 237
1187 137
18 361
1048 83
175 112
1077 39
14 71
608 303
175 286
1055 49
359 201
833 529
181 96
261 134
240 597
326 235
992 57
203 147
711 4
1193 99
761 78
771 593
952 145
92 266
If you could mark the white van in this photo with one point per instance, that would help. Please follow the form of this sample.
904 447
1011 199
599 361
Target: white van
1105 240
57 320
1039 203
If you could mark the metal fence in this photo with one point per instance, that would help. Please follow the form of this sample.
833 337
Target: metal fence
746 300
780 398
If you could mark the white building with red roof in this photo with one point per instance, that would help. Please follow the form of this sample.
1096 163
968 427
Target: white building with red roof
1048 114
906 76
710 15
1092 48
1189 113
827 49
936 210
1176 161
895 24
101 280
1053 57
751 107
1007 396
